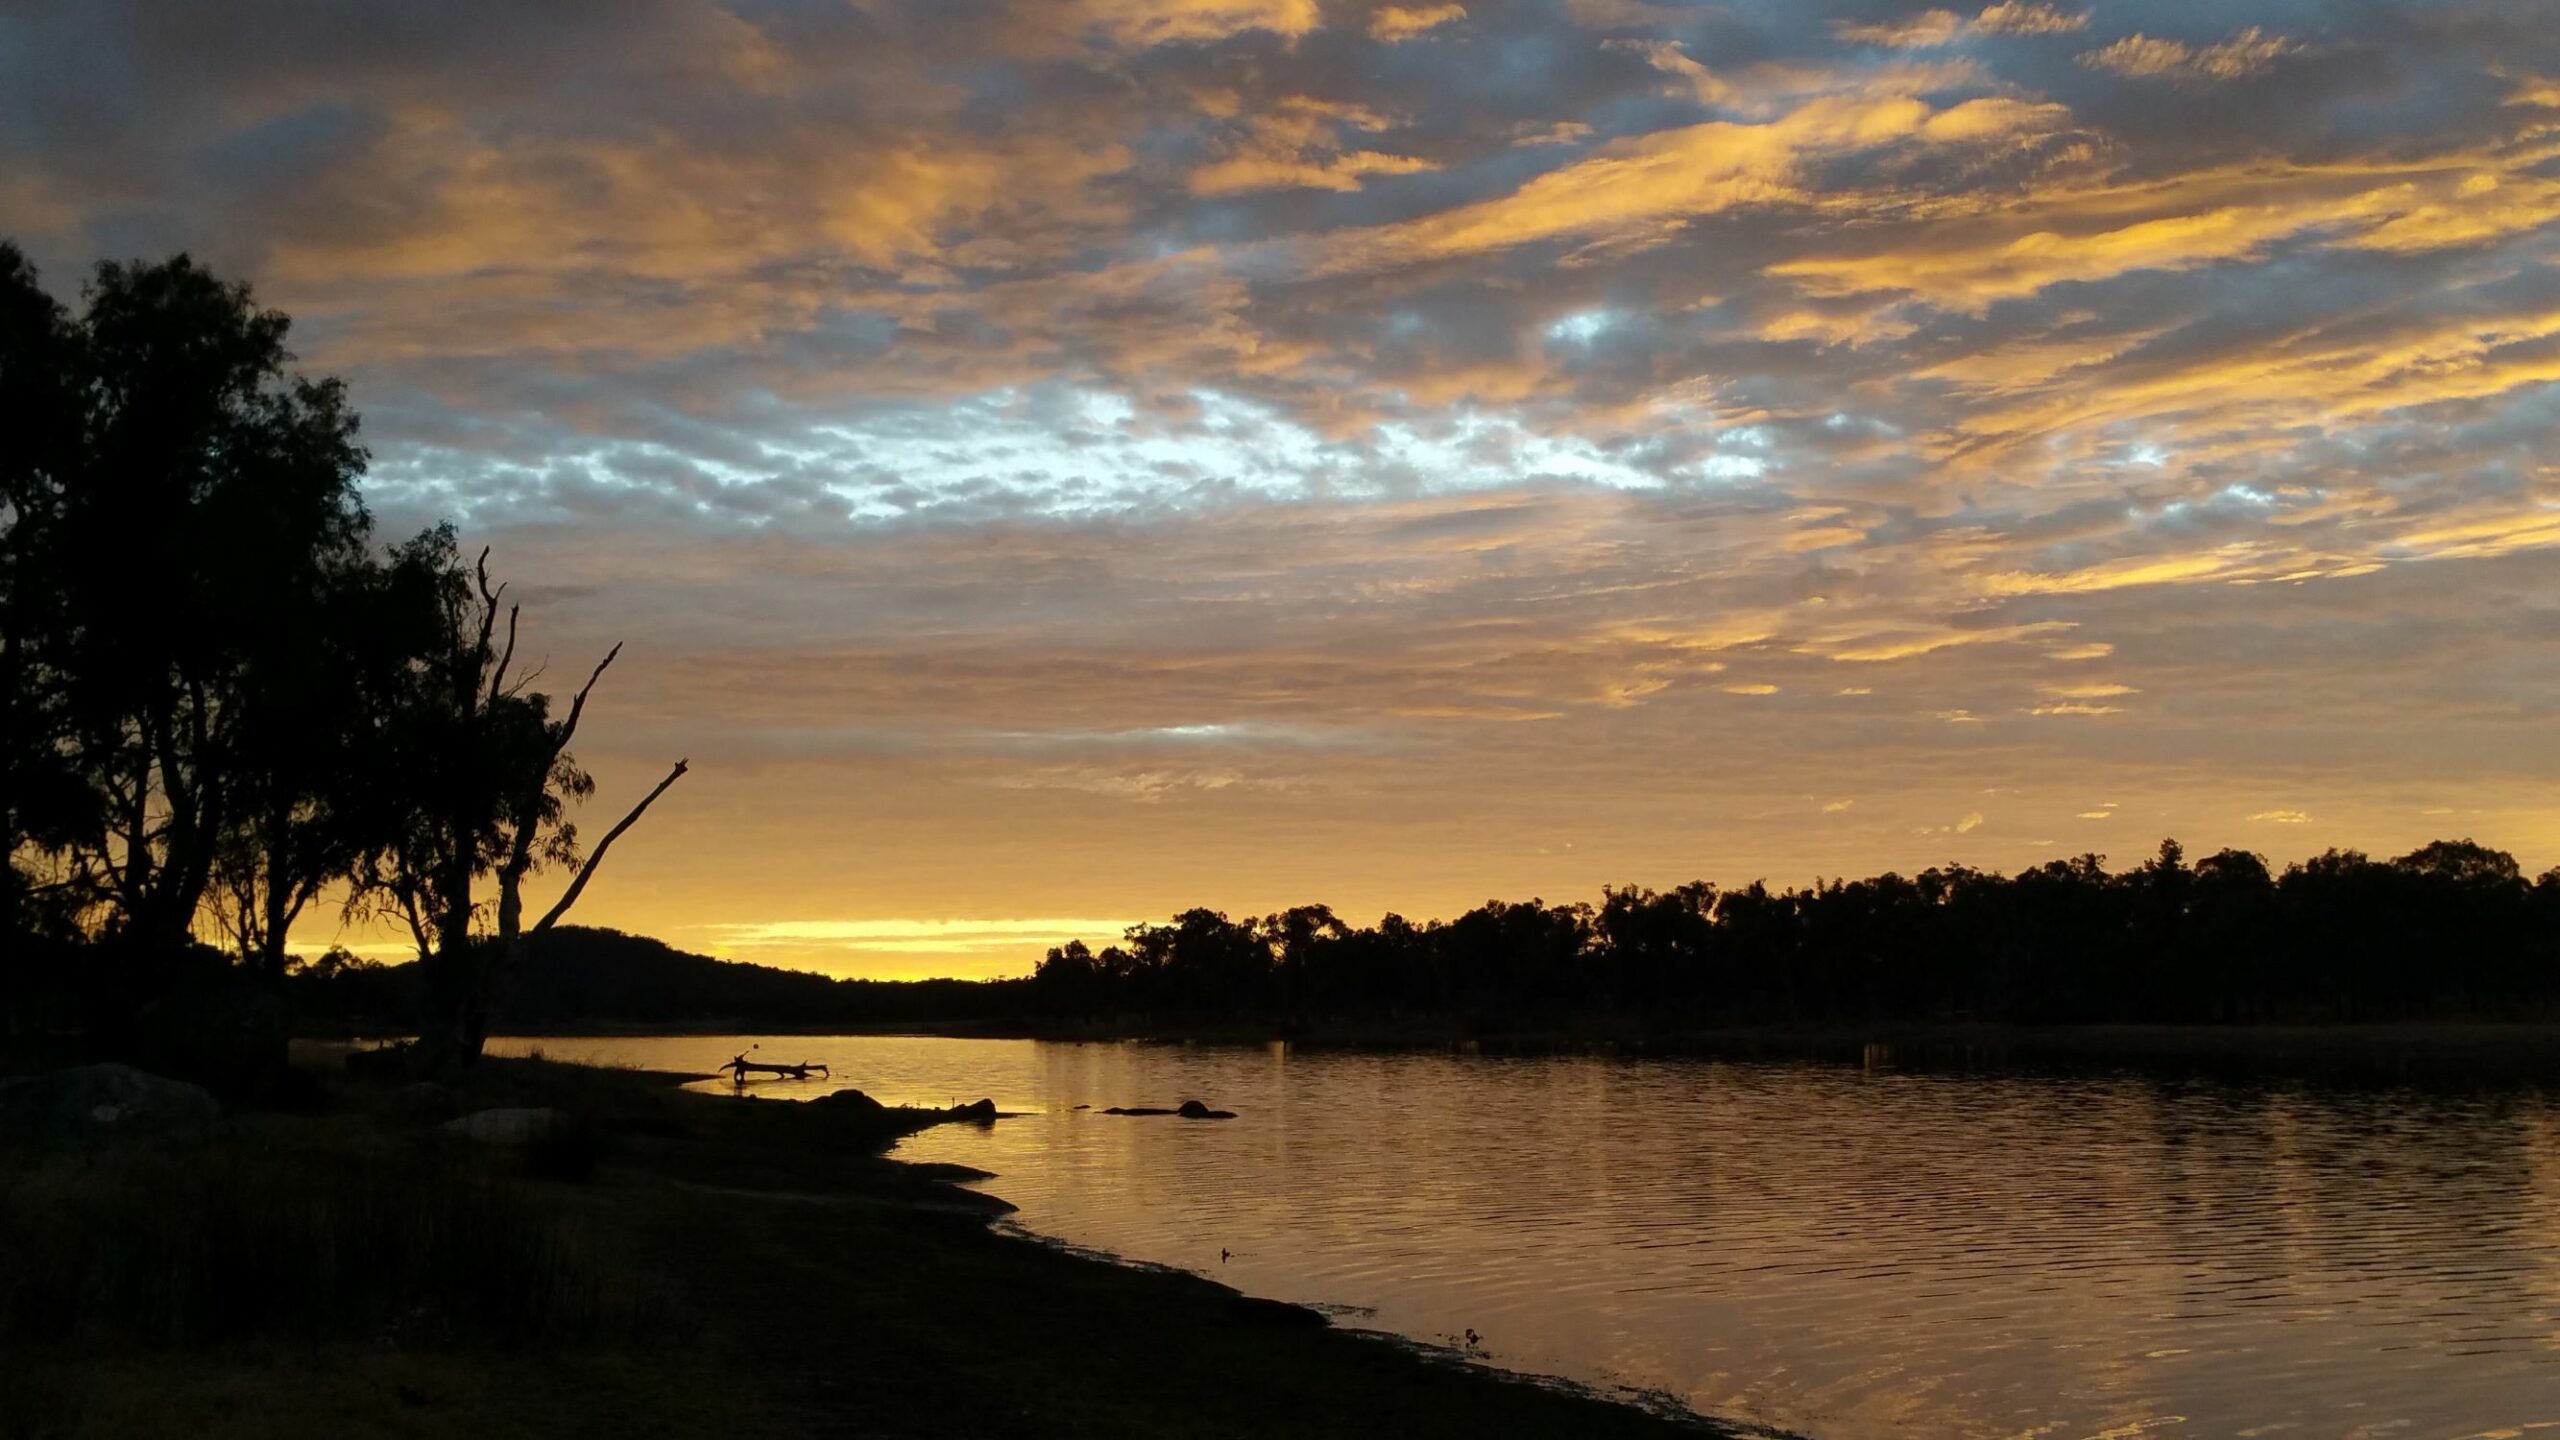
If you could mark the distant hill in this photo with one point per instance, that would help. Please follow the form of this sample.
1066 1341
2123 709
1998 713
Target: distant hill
578 976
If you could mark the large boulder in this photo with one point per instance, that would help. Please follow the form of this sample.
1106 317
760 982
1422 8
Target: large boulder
851 1103
95 1104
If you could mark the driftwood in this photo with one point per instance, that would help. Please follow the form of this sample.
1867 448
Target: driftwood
740 1068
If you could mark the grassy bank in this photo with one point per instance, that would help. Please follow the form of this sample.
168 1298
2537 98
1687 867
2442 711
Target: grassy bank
688 1265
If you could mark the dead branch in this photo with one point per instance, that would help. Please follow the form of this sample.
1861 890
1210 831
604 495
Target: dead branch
498 674
596 856
578 707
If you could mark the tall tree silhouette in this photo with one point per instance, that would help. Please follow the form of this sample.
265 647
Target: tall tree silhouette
484 794
218 699
182 500
44 806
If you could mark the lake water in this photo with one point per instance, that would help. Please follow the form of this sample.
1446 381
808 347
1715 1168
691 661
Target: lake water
1838 1252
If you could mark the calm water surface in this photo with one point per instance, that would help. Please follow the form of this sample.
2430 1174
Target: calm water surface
1842 1253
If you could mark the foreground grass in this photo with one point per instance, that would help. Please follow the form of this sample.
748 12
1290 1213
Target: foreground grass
721 1266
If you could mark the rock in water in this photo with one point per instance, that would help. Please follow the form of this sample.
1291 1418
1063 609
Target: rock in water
975 1110
847 1102
1191 1110
509 1126
91 1104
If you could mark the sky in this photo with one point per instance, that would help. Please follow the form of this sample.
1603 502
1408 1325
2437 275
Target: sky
1057 463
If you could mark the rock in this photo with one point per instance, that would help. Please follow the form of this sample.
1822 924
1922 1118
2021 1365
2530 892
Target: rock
422 1100
847 1102
91 1104
509 1126
979 1110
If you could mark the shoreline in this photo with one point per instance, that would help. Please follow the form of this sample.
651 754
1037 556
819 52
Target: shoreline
760 1267
2414 1050
1658 1404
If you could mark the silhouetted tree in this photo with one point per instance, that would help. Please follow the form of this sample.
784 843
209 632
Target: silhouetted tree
179 502
217 698
482 791
2451 928
44 805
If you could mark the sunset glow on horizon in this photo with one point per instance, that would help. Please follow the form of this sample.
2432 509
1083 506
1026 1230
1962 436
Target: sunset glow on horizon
1057 463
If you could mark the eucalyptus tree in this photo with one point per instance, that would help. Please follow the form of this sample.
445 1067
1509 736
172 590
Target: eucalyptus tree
43 805
314 765
177 501
478 798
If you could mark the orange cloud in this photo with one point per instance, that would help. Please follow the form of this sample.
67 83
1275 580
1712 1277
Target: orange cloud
1637 192
1392 23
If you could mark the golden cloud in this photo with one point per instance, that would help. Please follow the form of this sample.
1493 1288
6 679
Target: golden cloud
1392 23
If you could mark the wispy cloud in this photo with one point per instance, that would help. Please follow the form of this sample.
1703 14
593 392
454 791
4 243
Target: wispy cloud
2151 57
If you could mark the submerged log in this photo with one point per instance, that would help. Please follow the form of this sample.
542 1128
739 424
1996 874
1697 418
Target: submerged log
742 1067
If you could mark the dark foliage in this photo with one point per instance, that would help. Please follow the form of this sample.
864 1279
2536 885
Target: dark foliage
220 697
2451 929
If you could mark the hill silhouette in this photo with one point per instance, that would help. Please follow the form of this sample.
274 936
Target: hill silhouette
579 976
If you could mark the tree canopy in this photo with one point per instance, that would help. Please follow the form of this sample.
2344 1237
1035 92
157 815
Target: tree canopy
220 696
2452 928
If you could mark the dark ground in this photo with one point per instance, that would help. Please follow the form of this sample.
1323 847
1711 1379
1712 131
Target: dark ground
691 1265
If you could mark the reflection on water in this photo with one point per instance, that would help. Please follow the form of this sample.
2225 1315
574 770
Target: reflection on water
1840 1252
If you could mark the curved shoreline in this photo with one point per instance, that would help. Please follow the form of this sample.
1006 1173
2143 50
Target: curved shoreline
1657 1403
1651 1401
793 1280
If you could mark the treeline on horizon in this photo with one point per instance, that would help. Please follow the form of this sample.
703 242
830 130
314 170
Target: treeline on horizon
2452 929
226 702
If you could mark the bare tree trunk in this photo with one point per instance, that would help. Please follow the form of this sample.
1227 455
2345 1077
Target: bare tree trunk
595 857
507 954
